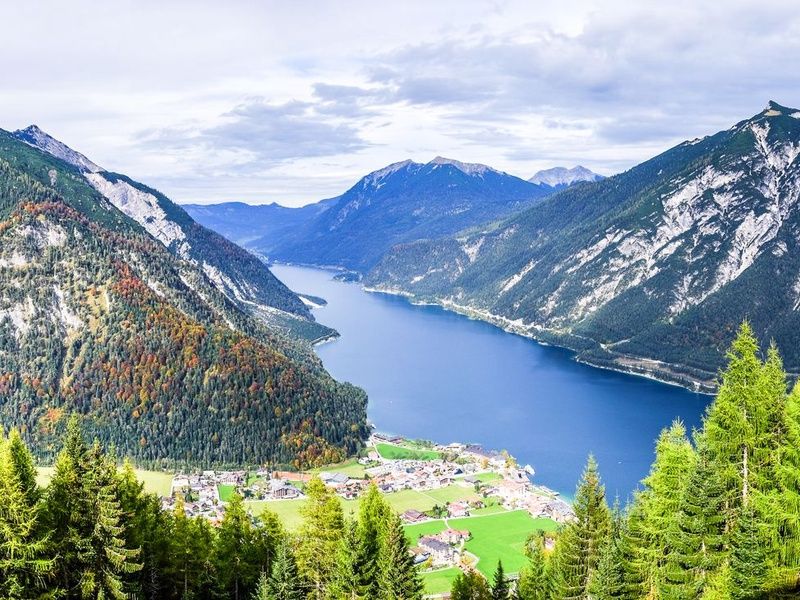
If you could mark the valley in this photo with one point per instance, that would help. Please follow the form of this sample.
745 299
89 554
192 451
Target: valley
474 382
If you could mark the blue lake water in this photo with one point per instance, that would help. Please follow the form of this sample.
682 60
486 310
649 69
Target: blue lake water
437 375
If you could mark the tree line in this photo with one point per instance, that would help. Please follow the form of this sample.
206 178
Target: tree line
93 533
717 518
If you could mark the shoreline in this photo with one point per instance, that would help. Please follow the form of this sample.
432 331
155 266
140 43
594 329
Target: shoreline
516 327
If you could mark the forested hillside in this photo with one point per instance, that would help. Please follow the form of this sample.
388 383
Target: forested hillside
717 518
97 318
647 271
237 273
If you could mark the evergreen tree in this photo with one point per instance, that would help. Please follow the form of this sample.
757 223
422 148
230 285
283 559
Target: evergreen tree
470 586
784 502
319 537
347 583
578 547
533 582
23 465
284 581
500 586
146 528
236 566
658 503
190 544
105 562
398 575
25 564
732 426
373 516
608 580
698 542
262 589
749 555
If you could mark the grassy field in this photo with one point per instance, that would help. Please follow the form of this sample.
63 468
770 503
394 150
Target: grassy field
452 493
351 468
487 477
225 491
289 510
439 582
499 536
156 482
390 452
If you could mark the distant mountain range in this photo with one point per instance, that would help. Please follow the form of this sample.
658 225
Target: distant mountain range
240 275
400 203
561 177
648 271
171 342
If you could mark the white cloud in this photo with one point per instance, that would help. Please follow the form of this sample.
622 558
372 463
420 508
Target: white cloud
263 101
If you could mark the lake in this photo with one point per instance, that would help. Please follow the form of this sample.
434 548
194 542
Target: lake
437 375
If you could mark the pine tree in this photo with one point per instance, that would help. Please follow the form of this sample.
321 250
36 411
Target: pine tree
578 546
372 519
500 587
22 461
608 580
25 564
68 512
658 503
397 573
749 555
698 542
347 583
731 427
190 570
783 503
284 581
319 537
105 562
237 569
147 529
533 583
470 586
262 589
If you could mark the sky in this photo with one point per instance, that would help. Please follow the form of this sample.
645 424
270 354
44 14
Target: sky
292 102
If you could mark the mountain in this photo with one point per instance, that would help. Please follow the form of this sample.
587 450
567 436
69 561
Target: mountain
561 177
399 203
648 271
244 223
240 275
124 324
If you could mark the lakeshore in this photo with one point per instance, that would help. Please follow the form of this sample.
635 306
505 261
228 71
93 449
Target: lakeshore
453 499
432 373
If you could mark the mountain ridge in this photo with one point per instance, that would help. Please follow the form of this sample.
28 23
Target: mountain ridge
400 202
626 271
235 271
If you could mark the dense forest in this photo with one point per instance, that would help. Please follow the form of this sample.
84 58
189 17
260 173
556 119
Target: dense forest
97 318
93 533
717 518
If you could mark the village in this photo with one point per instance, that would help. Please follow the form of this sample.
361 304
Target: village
464 480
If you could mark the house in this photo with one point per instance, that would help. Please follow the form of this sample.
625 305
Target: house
283 490
440 552
454 536
333 480
457 509
414 516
